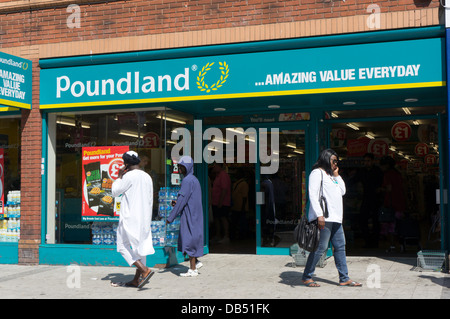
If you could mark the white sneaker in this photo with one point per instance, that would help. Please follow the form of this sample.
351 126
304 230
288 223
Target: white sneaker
198 265
190 273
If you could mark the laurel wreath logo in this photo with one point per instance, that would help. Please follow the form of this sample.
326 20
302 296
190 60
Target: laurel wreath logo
213 87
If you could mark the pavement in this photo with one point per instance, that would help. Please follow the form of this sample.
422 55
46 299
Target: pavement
228 277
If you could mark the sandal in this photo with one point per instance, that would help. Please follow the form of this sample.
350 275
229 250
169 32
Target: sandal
311 284
350 283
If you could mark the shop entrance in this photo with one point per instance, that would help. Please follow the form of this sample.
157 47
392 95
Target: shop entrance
266 196
390 162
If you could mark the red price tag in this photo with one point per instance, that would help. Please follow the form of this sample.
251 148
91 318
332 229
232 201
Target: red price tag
114 167
378 147
421 149
430 159
151 140
401 131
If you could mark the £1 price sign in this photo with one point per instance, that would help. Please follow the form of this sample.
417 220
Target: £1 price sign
430 159
151 140
421 149
378 147
401 131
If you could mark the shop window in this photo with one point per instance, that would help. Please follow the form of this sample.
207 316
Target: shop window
9 180
371 153
146 131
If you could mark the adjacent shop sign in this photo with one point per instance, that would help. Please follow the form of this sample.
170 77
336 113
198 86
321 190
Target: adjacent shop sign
15 85
100 169
363 67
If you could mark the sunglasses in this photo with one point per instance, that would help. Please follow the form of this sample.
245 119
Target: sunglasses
335 162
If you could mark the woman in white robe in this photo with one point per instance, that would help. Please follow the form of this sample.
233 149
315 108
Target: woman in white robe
134 237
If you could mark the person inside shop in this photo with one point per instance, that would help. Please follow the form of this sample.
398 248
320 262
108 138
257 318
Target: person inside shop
239 207
371 178
189 206
134 237
221 203
394 198
145 165
325 172
268 213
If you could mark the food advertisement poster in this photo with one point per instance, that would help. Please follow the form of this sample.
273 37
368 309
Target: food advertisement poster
100 169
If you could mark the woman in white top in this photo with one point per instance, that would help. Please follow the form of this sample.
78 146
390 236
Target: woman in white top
326 173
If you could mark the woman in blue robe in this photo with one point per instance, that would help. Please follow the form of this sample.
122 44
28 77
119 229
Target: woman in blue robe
189 206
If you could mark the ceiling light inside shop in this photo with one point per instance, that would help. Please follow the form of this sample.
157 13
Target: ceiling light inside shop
291 145
220 109
299 151
353 126
128 133
416 122
406 110
334 115
70 122
273 106
411 100
171 119
349 103
370 135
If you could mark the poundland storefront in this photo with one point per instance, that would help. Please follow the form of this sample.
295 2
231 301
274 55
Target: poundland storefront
281 101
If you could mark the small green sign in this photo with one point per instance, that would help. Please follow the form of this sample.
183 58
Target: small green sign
15 85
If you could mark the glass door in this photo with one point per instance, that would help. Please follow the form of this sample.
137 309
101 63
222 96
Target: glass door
281 186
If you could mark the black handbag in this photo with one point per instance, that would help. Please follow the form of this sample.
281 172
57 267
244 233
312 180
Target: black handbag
307 234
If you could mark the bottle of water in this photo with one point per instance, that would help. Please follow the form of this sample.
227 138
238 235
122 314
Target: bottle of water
107 240
96 240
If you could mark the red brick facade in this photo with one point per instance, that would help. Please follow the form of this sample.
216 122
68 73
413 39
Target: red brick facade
141 17
40 30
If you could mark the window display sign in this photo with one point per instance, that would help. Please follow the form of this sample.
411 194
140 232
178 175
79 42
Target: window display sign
100 169
15 81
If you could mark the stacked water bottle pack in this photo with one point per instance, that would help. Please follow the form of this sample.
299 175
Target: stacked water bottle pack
104 233
10 220
166 235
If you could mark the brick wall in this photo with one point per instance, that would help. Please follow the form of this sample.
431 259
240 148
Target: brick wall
31 154
139 17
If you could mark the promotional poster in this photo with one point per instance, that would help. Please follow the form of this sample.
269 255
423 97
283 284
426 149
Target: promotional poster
100 169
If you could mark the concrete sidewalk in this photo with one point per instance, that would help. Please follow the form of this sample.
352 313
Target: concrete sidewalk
226 276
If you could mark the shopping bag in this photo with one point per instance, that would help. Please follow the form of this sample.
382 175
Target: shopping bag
307 234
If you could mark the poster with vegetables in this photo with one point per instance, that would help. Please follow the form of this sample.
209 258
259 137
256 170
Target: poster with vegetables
100 168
